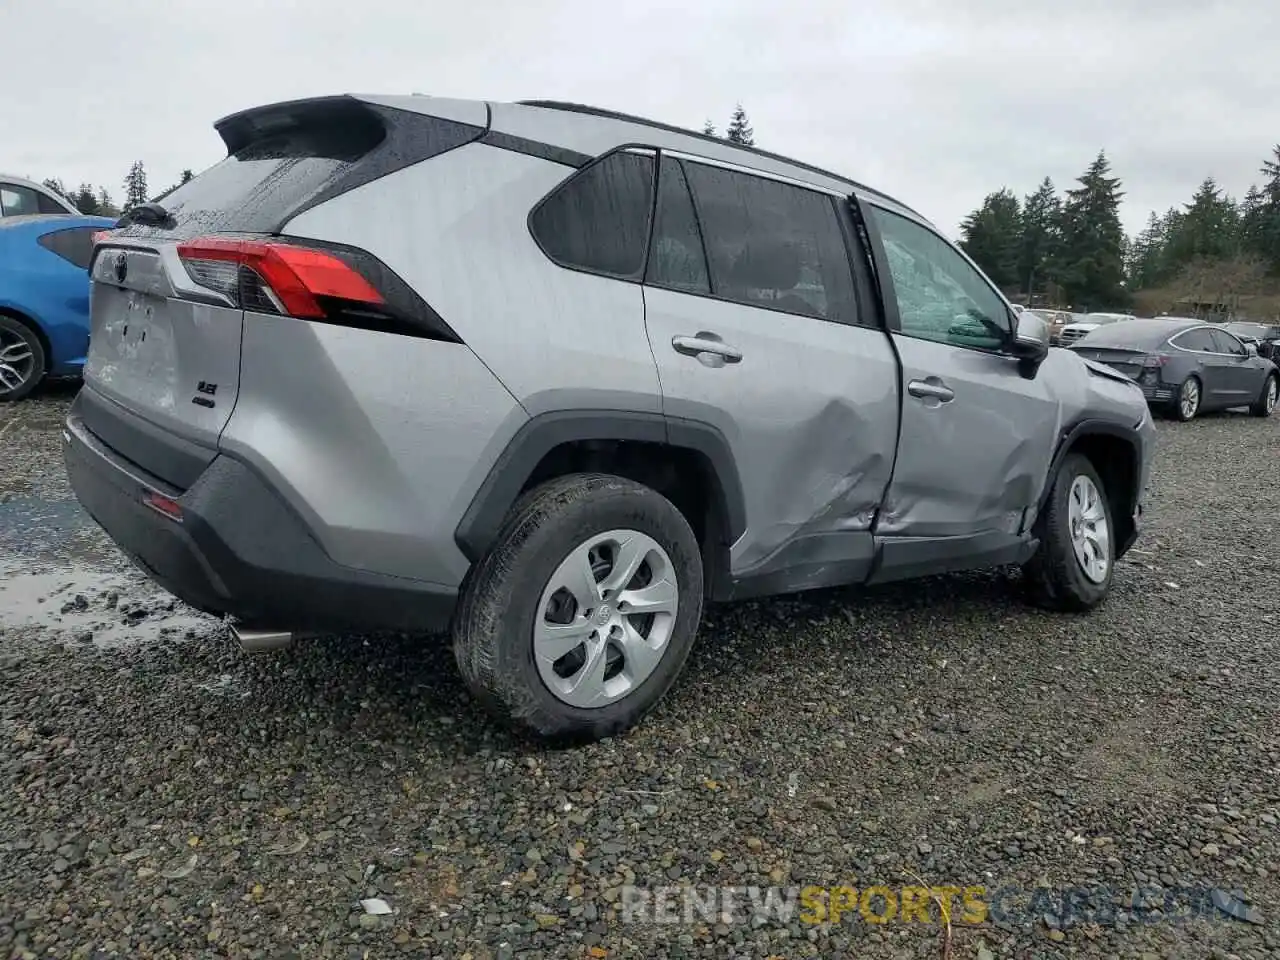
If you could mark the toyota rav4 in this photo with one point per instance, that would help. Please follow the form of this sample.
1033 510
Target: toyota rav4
551 377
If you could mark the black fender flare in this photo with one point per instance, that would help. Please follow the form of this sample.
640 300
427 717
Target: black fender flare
1093 428
541 434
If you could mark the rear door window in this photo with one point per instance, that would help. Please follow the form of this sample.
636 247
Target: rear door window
1224 342
74 245
772 244
48 204
1198 341
676 259
598 220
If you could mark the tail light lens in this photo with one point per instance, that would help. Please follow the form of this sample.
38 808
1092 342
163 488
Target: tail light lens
1151 367
101 236
272 277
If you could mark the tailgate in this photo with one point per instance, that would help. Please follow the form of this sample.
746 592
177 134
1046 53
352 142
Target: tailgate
173 361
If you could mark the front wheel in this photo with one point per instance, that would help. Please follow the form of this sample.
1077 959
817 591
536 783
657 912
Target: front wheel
22 359
581 615
1073 566
1266 402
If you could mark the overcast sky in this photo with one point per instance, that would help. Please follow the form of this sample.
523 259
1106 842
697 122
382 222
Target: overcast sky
938 102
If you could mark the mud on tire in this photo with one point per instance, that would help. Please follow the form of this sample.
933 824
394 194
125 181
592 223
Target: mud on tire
493 627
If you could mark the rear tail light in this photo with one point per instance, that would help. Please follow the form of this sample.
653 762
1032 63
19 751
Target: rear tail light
101 236
1151 367
272 277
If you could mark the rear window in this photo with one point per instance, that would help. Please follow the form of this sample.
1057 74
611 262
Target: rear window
256 188
74 245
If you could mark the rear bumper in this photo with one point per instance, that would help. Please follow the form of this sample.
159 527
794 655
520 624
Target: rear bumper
239 549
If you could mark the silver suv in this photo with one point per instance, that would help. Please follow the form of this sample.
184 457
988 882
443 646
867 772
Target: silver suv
553 377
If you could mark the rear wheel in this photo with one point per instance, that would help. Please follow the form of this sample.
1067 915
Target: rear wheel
1266 402
581 615
1188 403
22 359
1072 568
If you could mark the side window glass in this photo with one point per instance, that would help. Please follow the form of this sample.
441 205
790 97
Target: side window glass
940 296
598 220
47 204
17 201
1198 340
677 259
75 245
1224 342
773 245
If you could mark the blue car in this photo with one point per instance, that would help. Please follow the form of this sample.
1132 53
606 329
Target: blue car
44 298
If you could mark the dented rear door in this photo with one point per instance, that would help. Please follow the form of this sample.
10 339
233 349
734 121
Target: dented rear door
761 339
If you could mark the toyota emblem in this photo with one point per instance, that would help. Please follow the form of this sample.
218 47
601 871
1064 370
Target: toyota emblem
122 268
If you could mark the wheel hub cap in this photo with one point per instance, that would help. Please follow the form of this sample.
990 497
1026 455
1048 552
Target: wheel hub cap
17 362
605 618
1090 529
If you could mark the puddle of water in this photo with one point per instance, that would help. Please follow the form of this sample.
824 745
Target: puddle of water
40 528
109 608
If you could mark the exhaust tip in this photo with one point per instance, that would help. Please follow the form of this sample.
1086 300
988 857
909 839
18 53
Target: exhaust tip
261 641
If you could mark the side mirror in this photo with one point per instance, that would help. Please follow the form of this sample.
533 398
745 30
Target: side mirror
1251 349
1030 343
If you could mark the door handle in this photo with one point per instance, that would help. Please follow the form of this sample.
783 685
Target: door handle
705 343
931 388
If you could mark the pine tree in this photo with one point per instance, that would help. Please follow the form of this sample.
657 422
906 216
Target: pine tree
1253 222
739 129
1040 213
1092 265
86 201
105 207
709 129
992 236
135 186
187 176
56 185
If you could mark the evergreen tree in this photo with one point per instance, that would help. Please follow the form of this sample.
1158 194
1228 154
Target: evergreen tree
1040 214
56 185
992 236
1092 268
105 207
86 201
709 129
187 176
739 129
1207 230
1253 222
1269 227
135 186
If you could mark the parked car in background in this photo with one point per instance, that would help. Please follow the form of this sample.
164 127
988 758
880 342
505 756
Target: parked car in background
25 198
1265 337
1056 321
44 298
676 379
1073 331
1185 367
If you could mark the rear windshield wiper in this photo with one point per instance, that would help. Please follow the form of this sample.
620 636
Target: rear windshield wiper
148 215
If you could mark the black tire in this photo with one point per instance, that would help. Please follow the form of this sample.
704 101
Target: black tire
1176 408
1266 401
493 625
39 363
1054 576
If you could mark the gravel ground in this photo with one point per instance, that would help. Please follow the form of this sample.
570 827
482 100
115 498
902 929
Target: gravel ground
163 795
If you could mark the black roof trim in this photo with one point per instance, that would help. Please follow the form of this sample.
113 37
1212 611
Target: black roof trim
671 128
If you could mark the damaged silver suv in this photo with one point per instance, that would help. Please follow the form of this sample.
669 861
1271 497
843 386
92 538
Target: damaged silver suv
552 377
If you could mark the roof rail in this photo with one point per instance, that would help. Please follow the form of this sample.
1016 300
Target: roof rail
710 138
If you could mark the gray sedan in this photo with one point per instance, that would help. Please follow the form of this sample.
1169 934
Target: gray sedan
1186 366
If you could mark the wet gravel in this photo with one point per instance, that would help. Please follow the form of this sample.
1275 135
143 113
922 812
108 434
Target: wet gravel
163 795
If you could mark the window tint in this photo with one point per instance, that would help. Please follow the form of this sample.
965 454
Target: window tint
773 245
74 245
1196 340
599 219
1224 342
940 296
48 204
16 201
676 258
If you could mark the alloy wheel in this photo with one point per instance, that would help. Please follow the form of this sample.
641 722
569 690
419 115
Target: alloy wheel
605 618
1189 399
1090 533
17 361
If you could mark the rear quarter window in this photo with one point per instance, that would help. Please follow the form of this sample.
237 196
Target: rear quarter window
74 245
598 220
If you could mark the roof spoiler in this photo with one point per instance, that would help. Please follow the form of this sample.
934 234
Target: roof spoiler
238 130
